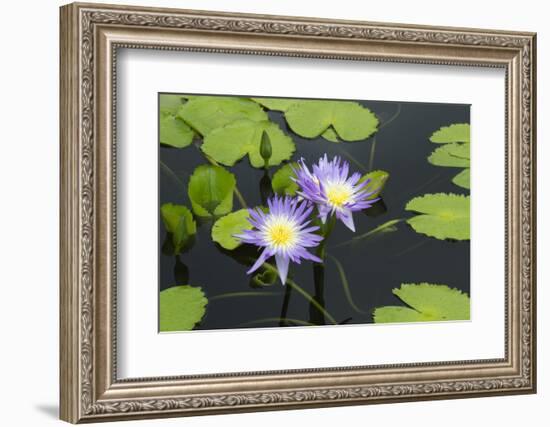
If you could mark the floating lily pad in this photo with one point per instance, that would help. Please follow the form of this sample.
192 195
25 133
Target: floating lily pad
443 216
282 182
463 179
378 179
457 132
174 131
206 113
275 104
170 104
211 190
181 308
459 150
227 226
350 120
179 222
442 156
427 302
230 143
330 135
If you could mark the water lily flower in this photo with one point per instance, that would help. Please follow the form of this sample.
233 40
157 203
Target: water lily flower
282 232
330 187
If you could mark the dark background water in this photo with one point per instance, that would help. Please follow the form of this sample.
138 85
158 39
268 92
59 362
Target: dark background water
373 266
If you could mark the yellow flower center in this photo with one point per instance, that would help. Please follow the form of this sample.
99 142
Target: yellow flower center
338 194
281 234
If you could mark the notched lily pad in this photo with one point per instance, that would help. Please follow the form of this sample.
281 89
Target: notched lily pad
459 150
282 182
426 302
169 103
457 132
179 222
181 308
276 104
174 131
443 216
230 143
463 179
350 120
330 135
211 191
226 227
206 113
442 156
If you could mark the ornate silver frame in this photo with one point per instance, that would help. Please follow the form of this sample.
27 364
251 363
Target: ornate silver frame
90 36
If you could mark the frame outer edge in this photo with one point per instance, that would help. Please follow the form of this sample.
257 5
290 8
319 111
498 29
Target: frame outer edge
78 224
69 223
533 210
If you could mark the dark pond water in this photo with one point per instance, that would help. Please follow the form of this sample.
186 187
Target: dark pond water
373 266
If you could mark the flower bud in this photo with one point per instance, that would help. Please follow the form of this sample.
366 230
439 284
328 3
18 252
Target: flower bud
265 147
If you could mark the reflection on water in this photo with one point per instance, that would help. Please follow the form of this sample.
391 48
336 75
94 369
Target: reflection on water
361 268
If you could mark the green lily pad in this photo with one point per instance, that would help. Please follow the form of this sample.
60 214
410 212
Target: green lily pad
230 143
174 131
442 156
457 132
169 103
463 179
443 216
330 135
378 179
181 308
459 150
206 113
179 222
275 104
350 120
282 182
211 190
427 302
227 226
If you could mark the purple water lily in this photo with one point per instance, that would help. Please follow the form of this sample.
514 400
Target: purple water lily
282 232
330 187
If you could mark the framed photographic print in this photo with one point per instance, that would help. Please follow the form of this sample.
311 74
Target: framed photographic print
264 212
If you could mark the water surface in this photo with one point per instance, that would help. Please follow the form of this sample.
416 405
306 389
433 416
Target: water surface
373 267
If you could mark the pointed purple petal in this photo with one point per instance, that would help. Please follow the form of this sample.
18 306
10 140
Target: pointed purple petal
324 210
261 259
346 217
282 266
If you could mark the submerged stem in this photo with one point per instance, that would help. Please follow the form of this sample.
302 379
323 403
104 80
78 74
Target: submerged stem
373 146
372 150
170 173
387 226
354 160
412 248
240 198
392 118
307 296
345 284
